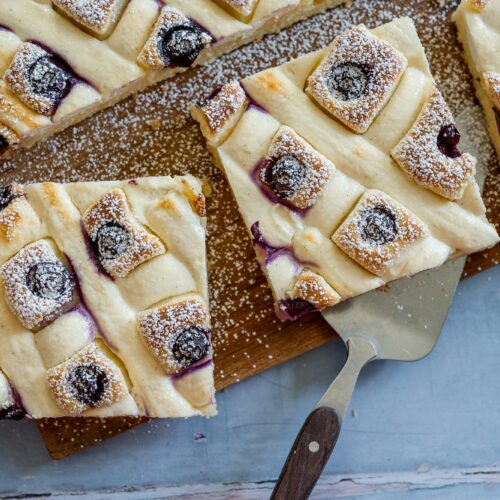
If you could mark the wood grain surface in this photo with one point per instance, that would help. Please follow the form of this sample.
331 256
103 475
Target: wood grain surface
152 134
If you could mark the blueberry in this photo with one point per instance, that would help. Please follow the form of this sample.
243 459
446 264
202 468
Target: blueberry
88 383
286 175
50 280
378 225
12 412
348 81
497 116
6 196
4 144
112 240
48 79
295 308
190 346
181 45
447 141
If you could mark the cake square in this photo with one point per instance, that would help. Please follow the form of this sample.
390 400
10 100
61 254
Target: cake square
370 221
104 303
81 56
479 32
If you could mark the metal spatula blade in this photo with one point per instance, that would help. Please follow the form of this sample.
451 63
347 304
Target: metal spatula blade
402 323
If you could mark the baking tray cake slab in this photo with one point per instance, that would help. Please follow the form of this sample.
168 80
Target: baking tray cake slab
153 134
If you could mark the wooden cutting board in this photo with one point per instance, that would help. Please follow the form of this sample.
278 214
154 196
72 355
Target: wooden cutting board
152 134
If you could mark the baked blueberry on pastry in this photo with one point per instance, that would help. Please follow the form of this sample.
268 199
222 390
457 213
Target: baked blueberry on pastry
8 138
38 286
103 300
347 167
177 333
81 56
357 77
479 33
119 243
293 171
38 78
429 153
175 41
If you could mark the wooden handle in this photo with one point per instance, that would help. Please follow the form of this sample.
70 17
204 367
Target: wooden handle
308 456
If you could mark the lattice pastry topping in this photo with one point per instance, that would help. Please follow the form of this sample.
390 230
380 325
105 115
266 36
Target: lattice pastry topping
479 31
293 172
357 77
89 379
429 153
81 56
377 231
38 78
38 286
104 301
98 17
177 334
175 41
330 213
119 243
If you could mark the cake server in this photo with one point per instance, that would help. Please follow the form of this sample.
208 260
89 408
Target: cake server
401 324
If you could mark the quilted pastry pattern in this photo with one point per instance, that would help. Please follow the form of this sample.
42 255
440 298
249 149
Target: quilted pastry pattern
70 337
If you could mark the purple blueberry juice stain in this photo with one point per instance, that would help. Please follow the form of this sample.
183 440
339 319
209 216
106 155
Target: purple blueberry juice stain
447 141
86 306
272 252
200 366
84 313
292 309
133 182
5 28
91 254
497 116
15 411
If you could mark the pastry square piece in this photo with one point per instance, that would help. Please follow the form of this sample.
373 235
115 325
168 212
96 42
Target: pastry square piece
98 17
479 33
357 77
83 55
103 300
334 211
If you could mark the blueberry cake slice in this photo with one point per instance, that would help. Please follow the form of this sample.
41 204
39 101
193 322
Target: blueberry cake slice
64 60
347 168
103 300
479 32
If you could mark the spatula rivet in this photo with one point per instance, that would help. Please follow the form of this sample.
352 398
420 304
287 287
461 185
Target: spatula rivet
314 447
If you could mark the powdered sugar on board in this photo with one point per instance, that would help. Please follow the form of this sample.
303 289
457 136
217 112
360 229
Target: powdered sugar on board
152 133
